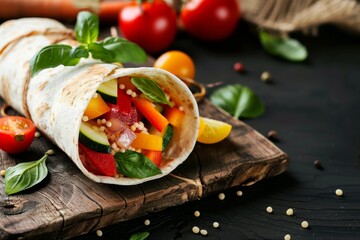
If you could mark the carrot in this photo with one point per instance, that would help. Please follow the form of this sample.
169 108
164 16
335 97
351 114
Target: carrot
147 141
59 9
96 107
147 109
174 116
154 156
109 10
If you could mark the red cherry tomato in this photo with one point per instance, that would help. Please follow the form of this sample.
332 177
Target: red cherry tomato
210 20
97 162
153 25
16 134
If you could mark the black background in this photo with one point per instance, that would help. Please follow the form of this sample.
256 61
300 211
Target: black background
315 108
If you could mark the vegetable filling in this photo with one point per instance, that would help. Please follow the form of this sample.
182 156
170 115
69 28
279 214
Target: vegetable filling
126 127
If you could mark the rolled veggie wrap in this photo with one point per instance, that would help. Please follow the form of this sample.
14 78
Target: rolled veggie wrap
56 99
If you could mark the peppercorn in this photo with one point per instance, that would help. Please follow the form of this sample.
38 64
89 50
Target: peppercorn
239 67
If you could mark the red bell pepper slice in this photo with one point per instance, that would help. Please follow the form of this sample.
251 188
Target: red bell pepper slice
124 102
98 163
154 156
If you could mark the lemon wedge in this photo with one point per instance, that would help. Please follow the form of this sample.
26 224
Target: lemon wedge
212 131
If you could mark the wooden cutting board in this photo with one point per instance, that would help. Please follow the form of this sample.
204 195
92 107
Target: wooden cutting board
67 203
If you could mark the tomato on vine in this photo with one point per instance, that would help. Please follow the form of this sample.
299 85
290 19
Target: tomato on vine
211 20
152 25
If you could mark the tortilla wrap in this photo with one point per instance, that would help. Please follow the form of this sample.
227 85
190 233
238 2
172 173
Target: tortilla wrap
20 40
56 98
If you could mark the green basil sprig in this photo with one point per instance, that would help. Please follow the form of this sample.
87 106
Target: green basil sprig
25 175
151 90
286 48
135 165
111 49
238 100
139 236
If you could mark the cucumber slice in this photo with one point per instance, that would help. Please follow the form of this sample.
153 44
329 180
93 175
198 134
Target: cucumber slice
94 139
169 132
108 91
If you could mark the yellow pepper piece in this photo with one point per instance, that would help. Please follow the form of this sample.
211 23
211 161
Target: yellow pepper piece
147 141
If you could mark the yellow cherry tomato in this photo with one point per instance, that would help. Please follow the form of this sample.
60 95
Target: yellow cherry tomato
176 62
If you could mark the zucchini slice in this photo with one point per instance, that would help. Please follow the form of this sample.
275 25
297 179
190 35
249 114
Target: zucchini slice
108 91
94 139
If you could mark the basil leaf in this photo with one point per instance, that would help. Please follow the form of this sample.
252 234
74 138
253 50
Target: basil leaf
125 51
52 56
238 100
287 48
25 175
139 236
169 132
101 53
135 165
86 27
79 52
151 90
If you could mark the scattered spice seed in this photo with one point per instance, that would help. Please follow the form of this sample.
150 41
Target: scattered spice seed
304 224
339 192
239 193
239 67
37 134
290 212
3 172
221 196
269 209
317 164
147 222
203 232
129 92
272 135
197 214
195 229
265 76
122 86
50 152
287 237
216 224
99 233
85 118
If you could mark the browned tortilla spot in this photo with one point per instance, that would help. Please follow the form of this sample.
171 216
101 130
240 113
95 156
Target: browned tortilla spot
72 92
42 86
42 109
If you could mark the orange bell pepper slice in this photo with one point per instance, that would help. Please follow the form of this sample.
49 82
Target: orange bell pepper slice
96 107
149 111
147 141
174 116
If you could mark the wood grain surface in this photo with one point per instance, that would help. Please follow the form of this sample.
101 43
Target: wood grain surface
67 204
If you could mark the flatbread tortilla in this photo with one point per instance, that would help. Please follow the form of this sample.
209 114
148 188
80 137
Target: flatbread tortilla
56 98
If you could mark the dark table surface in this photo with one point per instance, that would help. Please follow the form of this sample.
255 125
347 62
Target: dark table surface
315 108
